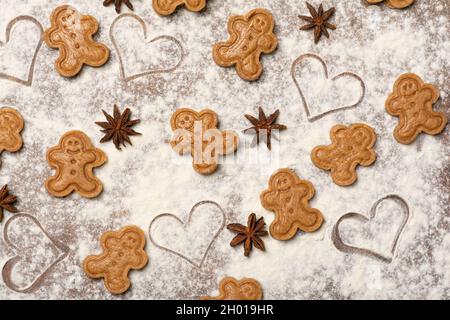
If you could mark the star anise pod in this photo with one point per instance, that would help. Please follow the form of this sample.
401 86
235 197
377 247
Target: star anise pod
318 21
118 4
264 123
6 201
250 235
118 127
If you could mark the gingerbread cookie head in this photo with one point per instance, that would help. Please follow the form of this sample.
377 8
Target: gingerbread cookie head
232 289
11 126
74 159
412 101
288 197
71 33
250 36
197 133
122 251
350 147
167 7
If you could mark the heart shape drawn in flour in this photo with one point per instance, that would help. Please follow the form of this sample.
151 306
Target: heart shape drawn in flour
21 256
27 82
349 76
198 237
343 247
143 25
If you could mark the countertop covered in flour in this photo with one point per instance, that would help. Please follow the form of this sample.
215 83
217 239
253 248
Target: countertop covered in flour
147 179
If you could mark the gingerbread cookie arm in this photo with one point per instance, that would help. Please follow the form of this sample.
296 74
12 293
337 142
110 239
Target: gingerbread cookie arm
268 199
320 156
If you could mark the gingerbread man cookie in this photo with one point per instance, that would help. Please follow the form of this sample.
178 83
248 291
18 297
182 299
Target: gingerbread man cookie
167 7
350 147
232 289
412 101
11 126
74 159
122 251
197 133
250 36
396 4
71 33
288 197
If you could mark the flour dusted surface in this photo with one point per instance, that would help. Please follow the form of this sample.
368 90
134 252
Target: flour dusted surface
148 178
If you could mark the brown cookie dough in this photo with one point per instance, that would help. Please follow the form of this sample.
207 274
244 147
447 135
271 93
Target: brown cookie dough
232 289
350 147
288 196
197 133
250 36
71 32
412 101
74 159
122 251
167 7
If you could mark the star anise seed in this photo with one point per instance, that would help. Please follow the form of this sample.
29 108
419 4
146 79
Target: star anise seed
264 123
249 235
6 201
118 127
118 4
318 21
